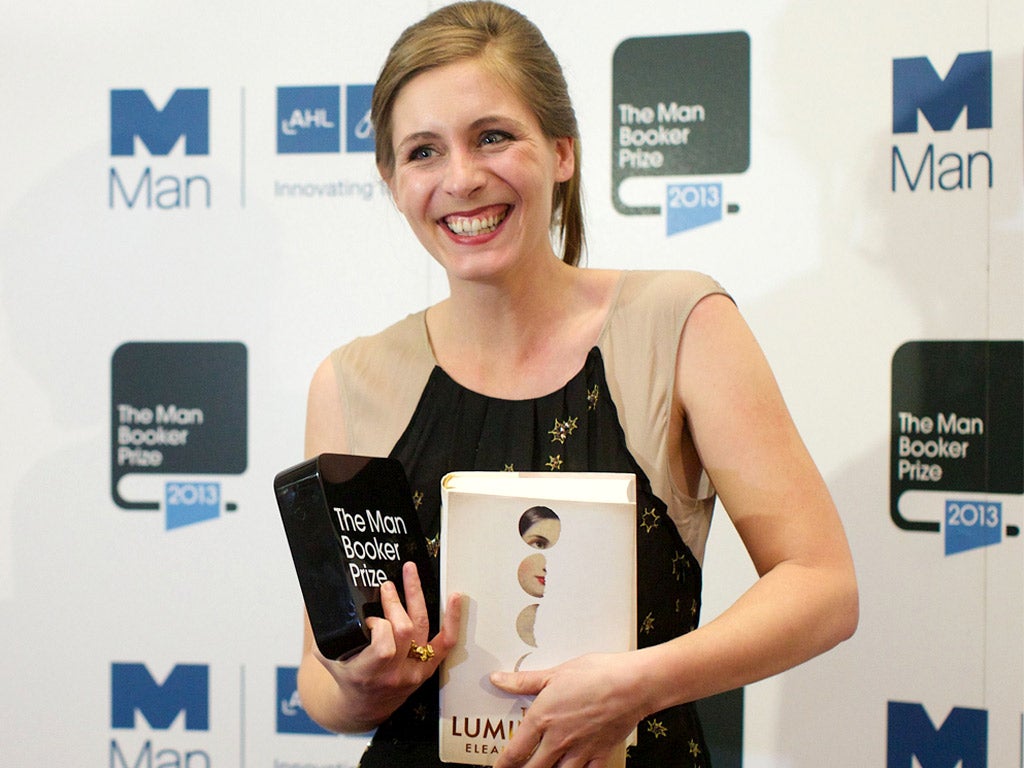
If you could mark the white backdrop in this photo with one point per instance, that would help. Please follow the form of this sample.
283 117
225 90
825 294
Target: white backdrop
836 260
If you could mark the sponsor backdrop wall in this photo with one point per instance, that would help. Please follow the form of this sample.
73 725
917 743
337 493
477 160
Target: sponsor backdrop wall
190 220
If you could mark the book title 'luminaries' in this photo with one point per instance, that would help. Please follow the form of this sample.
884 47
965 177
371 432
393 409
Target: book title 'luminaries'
495 732
363 554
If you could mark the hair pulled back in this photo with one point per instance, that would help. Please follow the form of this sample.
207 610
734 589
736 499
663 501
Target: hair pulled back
514 51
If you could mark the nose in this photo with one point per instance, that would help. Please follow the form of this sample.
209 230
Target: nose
463 174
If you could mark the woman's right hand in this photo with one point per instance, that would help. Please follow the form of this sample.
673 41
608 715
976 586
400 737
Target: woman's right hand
372 684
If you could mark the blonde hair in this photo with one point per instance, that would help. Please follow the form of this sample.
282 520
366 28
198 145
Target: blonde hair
514 50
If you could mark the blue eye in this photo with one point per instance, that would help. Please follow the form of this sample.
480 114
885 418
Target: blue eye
421 153
495 137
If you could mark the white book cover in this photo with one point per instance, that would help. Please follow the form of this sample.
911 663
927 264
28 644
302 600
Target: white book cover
546 564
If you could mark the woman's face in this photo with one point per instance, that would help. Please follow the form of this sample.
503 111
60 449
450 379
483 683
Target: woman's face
533 575
544 533
474 173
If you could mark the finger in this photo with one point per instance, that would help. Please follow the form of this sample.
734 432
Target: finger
382 637
398 627
415 602
525 744
391 604
448 636
523 683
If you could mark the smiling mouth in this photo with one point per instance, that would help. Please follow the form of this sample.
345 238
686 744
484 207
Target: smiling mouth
475 225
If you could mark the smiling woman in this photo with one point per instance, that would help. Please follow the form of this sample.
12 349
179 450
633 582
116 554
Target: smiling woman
516 59
474 176
655 374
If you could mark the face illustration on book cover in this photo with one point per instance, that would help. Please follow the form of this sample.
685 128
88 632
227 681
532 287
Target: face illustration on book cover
533 575
539 528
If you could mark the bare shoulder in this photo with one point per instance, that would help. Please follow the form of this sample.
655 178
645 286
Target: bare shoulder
717 346
325 421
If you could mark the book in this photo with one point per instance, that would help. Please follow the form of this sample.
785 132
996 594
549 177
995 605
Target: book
350 524
546 564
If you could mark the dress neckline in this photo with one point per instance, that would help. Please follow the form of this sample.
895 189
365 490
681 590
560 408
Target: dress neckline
612 306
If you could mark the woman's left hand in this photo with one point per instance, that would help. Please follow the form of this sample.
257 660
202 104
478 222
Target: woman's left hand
582 715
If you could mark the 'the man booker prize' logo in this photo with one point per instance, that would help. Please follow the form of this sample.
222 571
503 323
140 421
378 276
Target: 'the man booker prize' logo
680 107
178 409
914 741
917 89
957 440
138 126
138 700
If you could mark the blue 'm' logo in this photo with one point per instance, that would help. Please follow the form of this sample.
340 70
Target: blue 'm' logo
186 689
291 717
917 86
308 119
187 113
961 740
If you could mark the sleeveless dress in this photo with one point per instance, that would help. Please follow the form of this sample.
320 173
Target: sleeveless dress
613 415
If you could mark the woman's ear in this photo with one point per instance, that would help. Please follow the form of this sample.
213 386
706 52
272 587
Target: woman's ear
565 155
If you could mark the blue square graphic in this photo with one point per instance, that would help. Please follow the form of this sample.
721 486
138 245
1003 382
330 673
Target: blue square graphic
291 717
358 130
308 119
692 205
972 524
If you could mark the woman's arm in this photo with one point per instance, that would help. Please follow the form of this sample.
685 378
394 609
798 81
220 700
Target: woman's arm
804 602
355 695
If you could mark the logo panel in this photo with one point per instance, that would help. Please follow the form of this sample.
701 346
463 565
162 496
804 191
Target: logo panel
681 107
186 689
179 408
957 430
359 135
186 114
914 741
291 717
943 163
917 87
308 119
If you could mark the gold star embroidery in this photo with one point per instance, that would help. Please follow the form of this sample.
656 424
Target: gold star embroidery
694 748
657 728
592 397
417 499
649 520
676 560
434 545
563 429
554 463
509 468
648 624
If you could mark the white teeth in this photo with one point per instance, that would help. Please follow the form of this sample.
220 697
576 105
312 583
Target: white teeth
475 226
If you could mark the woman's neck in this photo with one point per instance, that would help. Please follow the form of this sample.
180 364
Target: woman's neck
524 337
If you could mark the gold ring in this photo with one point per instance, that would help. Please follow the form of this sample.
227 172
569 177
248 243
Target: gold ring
421 652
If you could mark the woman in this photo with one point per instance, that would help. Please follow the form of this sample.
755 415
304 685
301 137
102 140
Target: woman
532 363
540 527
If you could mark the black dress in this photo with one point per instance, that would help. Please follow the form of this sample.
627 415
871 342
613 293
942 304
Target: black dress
574 429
